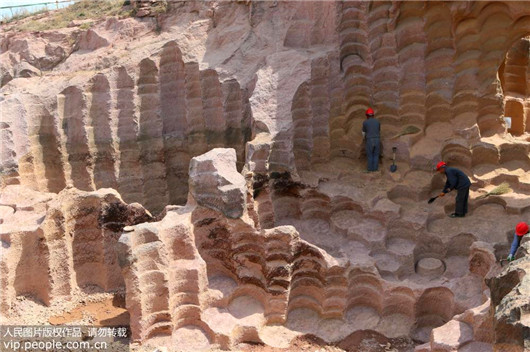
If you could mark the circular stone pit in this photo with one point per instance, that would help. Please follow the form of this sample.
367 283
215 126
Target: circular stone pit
430 267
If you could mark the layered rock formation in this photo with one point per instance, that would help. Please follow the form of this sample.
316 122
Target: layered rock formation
54 245
509 294
513 74
237 124
224 281
133 134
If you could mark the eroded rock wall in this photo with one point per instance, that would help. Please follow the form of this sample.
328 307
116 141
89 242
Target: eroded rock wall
132 132
432 65
281 235
55 245
509 294
513 75
428 64
223 280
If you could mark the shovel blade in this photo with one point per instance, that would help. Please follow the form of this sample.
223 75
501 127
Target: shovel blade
432 200
393 168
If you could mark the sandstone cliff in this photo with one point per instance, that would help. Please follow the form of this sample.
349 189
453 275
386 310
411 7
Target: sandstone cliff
220 142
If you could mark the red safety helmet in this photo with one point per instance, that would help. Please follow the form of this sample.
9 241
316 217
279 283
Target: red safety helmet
521 228
369 111
440 165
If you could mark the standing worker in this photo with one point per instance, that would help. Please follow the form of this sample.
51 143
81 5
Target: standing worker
521 229
456 179
371 130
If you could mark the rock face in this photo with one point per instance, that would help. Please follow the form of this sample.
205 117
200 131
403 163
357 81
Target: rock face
55 245
203 278
135 134
238 125
510 292
145 8
512 73
216 184
152 114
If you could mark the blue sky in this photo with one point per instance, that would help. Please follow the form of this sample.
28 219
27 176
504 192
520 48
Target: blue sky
16 10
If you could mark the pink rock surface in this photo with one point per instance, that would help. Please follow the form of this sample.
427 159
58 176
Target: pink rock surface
238 125
451 336
216 184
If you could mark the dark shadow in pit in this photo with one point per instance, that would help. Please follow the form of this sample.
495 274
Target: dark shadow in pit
372 341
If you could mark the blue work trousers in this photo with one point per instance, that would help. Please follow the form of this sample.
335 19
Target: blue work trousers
462 197
372 153
515 244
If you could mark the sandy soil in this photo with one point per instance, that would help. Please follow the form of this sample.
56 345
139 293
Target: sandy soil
107 312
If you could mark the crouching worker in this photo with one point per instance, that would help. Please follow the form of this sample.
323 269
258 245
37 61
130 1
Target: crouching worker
456 179
521 229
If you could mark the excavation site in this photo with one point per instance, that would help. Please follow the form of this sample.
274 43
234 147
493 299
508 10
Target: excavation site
269 176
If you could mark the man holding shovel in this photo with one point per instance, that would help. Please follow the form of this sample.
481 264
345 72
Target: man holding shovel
371 131
456 179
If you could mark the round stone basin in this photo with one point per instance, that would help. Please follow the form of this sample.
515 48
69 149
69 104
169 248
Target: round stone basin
430 267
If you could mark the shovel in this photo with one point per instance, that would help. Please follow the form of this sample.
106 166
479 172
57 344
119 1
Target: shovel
393 167
432 199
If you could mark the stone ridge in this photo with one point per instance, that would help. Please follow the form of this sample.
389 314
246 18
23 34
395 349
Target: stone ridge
55 245
510 291
135 134
216 184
